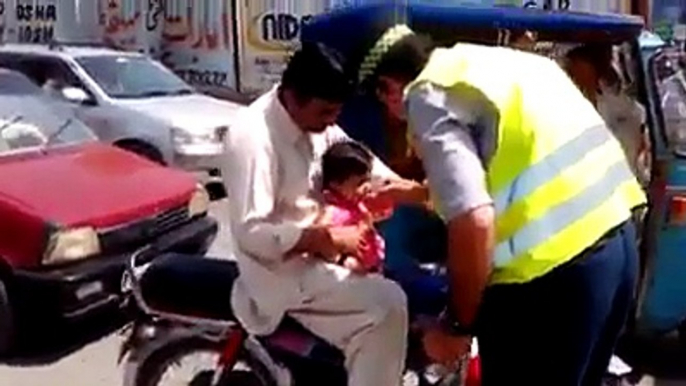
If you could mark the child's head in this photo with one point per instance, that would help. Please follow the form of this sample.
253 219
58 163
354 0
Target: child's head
346 168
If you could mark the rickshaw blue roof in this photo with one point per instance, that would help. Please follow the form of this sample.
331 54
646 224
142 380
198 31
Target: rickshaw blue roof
350 19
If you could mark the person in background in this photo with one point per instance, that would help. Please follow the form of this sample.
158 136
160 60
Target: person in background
537 197
590 67
673 92
287 262
524 40
53 87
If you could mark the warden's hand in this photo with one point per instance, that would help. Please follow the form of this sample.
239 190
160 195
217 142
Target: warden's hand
445 348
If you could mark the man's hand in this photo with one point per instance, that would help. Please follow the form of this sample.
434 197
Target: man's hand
348 239
445 348
354 265
337 240
329 242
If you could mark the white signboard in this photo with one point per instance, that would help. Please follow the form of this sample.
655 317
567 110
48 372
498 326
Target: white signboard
268 31
28 21
192 37
197 41
195 37
3 20
592 6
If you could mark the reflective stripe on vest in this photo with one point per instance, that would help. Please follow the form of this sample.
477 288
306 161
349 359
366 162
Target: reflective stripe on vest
549 167
559 217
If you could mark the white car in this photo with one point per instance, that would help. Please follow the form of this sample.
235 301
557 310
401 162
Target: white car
131 101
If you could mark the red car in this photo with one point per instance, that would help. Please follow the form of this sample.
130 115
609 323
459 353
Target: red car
73 209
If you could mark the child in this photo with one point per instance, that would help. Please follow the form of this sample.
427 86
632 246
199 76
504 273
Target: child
346 180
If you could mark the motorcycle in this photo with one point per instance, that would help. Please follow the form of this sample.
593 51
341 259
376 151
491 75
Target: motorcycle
184 333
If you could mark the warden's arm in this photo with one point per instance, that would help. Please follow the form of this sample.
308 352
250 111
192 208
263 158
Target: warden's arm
456 177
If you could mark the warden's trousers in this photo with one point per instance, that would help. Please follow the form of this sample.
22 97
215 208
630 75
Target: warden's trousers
561 329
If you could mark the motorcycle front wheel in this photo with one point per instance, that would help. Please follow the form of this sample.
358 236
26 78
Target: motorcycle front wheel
191 362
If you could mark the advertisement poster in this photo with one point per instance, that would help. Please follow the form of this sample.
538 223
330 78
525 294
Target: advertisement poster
600 6
123 24
592 6
197 41
28 21
192 37
3 20
268 31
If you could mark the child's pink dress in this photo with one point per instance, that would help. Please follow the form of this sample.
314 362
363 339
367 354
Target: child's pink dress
349 212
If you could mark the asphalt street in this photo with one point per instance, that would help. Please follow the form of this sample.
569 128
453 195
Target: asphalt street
86 354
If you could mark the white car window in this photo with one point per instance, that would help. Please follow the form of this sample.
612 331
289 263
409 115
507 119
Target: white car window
133 76
14 83
31 120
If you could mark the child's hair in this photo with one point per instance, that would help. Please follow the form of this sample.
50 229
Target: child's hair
343 160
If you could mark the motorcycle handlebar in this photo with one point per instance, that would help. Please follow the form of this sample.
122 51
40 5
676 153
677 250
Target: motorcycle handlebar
131 275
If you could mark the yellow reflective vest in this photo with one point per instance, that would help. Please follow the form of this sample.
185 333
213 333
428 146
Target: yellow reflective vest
558 178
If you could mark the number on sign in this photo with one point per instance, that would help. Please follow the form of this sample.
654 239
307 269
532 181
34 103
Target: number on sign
35 35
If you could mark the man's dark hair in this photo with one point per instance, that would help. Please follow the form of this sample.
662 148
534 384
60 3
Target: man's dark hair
405 60
598 55
343 160
317 71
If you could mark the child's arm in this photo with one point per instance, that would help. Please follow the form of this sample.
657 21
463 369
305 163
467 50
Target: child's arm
325 216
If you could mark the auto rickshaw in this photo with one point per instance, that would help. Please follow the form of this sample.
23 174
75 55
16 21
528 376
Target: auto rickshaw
652 74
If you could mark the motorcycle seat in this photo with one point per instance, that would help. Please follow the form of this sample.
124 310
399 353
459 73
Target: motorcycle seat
190 285
201 287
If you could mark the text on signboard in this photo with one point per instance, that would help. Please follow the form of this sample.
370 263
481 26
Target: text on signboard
203 77
548 4
37 22
282 26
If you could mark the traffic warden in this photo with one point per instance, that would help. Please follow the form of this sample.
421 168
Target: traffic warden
537 196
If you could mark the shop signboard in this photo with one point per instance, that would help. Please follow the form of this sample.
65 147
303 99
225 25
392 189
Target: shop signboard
268 31
28 21
3 18
592 6
196 38
192 37
197 41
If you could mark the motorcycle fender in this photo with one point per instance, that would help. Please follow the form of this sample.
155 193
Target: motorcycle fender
145 339
280 374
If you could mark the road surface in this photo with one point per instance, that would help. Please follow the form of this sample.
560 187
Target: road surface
85 355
